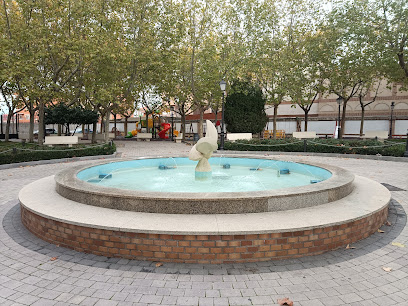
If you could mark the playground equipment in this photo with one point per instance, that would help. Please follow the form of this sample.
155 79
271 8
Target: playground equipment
163 132
132 133
143 123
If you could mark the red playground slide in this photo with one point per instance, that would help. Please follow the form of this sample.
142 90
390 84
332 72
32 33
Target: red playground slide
162 133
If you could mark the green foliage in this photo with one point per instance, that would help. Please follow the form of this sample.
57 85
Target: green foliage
245 108
340 146
62 114
26 153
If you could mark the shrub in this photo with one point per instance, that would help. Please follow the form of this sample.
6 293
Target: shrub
245 108
35 152
341 146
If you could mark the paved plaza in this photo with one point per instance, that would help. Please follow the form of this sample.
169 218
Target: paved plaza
373 272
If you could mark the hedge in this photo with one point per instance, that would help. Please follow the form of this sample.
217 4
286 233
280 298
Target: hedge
18 153
341 146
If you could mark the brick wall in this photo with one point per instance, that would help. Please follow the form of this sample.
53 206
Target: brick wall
201 248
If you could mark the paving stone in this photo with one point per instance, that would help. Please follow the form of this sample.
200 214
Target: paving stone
149 299
239 301
44 302
187 301
106 303
342 277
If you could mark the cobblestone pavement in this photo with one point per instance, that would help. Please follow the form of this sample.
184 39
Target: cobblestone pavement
33 272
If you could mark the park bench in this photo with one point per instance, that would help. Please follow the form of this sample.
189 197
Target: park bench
61 140
144 136
380 135
236 136
101 137
179 138
304 135
280 134
23 136
375 134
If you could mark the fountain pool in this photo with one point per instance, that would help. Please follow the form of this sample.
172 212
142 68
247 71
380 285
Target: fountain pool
140 185
78 209
228 175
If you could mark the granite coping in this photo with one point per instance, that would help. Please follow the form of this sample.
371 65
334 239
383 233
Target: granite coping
332 189
367 198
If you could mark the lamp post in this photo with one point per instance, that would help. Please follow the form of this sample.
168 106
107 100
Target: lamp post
406 147
392 111
172 127
223 86
339 101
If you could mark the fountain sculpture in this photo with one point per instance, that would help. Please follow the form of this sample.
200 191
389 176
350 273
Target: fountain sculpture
203 150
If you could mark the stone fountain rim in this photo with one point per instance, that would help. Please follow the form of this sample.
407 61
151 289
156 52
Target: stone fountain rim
68 179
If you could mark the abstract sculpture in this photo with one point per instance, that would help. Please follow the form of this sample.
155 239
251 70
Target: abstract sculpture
203 150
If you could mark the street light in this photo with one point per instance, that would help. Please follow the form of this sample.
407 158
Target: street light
172 127
339 101
223 86
406 147
1 122
392 111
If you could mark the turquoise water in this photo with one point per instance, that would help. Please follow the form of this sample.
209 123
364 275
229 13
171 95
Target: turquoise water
178 175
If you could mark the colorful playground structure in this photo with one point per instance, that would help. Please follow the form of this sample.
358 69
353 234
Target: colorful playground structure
163 133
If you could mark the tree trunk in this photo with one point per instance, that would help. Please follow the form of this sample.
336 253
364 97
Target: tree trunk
126 123
183 125
41 131
31 127
8 122
114 121
59 129
343 120
275 116
200 123
362 121
107 125
102 123
306 119
94 127
153 129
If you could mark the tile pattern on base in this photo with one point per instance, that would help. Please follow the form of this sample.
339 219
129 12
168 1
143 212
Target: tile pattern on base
202 248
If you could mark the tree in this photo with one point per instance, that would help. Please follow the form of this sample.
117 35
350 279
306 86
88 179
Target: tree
200 49
363 93
307 73
151 103
13 103
245 108
277 36
65 115
355 60
126 110
45 51
389 18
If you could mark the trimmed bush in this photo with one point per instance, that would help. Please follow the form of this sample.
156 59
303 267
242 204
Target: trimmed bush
245 108
35 152
341 146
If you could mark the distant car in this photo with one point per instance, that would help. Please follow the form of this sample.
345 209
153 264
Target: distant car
47 131
79 131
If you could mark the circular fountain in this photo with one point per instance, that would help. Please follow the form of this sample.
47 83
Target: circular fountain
168 185
226 210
